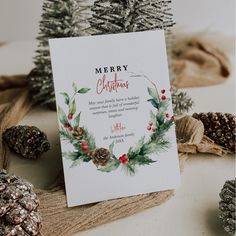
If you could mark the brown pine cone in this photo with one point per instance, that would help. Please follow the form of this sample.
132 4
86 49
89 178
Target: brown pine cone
79 133
101 157
28 141
220 127
19 215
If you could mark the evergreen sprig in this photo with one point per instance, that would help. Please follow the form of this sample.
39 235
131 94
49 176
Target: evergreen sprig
85 145
181 101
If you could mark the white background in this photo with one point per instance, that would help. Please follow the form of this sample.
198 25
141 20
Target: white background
194 209
18 19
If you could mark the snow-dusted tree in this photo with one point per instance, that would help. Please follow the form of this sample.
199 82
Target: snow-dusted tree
60 18
117 16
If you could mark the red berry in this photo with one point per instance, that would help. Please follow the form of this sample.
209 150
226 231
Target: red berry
65 125
89 155
84 148
150 123
163 91
70 129
124 159
163 97
70 117
84 143
167 115
154 129
149 128
172 117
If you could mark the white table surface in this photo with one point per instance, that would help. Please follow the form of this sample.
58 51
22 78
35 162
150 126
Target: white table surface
194 208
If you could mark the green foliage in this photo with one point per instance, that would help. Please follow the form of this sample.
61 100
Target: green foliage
72 108
66 97
90 139
66 135
62 116
111 146
136 156
77 121
112 165
83 90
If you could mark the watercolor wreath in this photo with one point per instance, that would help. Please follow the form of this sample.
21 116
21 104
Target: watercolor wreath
105 160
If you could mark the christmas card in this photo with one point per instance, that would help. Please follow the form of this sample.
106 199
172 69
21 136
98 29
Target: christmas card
115 115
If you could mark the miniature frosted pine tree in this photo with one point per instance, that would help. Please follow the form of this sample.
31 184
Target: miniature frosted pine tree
118 16
60 18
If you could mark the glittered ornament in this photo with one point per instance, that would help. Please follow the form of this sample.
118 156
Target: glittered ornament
27 141
220 127
228 206
19 215
101 157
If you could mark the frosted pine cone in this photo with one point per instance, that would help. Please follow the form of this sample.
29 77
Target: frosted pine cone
19 215
101 157
227 206
28 141
220 127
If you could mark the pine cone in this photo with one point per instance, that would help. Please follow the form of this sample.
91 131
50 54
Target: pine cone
101 157
227 206
19 215
28 141
79 133
220 127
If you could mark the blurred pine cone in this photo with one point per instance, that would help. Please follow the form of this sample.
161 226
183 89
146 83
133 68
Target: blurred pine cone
227 206
79 133
220 127
19 213
101 157
28 141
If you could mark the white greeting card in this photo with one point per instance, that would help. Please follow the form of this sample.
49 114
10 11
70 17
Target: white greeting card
115 115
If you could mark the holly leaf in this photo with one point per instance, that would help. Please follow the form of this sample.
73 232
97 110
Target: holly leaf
72 108
112 165
75 87
83 90
153 93
66 97
154 103
77 121
62 116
